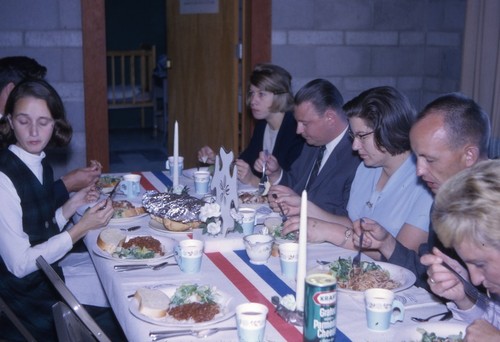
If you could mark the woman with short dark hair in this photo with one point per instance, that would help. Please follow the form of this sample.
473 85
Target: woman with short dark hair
386 190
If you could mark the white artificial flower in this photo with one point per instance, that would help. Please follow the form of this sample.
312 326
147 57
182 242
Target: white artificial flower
213 228
236 216
209 210
289 302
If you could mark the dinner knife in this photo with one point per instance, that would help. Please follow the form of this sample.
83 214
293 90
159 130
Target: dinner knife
112 193
110 196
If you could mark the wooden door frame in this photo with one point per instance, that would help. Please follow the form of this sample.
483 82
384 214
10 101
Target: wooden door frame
256 39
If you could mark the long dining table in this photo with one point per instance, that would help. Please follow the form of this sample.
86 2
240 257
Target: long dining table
230 271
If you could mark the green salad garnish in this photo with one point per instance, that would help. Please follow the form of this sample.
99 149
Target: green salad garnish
194 293
343 267
133 252
433 337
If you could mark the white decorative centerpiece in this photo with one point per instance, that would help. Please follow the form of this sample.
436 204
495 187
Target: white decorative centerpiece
217 224
225 186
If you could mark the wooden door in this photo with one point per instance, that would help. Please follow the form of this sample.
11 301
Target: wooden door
256 33
203 78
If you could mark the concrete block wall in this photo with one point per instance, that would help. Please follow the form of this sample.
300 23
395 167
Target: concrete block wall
413 45
51 32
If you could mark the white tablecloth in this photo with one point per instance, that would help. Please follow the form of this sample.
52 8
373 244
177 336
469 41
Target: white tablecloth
230 272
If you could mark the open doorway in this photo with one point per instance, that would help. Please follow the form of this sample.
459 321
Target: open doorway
137 131
256 48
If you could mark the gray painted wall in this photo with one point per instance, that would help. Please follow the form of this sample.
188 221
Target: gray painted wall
414 45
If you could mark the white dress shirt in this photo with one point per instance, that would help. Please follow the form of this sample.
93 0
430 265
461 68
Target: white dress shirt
15 248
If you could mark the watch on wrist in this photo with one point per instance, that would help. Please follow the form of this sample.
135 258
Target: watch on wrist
347 236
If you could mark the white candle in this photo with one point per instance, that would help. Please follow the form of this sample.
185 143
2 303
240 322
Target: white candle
301 267
176 156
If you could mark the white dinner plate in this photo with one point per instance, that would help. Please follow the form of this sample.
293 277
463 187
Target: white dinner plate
106 185
441 329
114 221
153 224
226 303
167 243
405 277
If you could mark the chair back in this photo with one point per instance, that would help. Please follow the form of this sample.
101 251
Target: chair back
71 300
16 321
69 327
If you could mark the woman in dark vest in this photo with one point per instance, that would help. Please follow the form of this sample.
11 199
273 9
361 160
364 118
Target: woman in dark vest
31 224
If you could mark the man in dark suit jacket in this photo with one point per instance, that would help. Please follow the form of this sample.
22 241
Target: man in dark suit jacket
323 124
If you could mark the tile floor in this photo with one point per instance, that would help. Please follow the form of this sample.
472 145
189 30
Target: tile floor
136 150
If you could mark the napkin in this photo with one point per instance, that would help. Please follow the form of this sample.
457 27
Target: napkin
232 241
81 278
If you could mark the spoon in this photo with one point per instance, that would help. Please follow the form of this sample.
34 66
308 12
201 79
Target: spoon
446 315
160 335
130 229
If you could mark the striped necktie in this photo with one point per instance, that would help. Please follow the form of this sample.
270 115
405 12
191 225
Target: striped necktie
317 165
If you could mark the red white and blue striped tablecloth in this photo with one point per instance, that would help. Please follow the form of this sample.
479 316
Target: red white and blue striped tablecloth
233 273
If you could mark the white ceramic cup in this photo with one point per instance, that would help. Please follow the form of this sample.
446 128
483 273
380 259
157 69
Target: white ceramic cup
289 258
188 254
131 185
170 163
248 220
251 322
382 309
201 182
258 247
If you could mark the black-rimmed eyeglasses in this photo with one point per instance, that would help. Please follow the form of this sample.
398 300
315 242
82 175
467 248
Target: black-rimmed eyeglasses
360 136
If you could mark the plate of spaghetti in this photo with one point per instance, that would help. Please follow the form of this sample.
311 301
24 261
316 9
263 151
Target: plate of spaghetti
370 274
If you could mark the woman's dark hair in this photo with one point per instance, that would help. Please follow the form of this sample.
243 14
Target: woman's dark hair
389 113
38 89
276 80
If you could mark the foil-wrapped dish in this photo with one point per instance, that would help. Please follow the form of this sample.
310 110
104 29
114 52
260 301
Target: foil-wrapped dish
177 212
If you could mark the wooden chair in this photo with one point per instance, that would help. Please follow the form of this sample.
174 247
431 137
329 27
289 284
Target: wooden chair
130 79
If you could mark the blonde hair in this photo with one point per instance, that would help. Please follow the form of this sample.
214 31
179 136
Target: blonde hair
467 207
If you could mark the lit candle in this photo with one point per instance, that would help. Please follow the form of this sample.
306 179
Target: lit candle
176 155
301 267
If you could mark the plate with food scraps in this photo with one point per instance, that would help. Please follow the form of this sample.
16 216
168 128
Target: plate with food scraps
113 244
435 331
125 211
107 183
187 301
374 274
159 227
251 199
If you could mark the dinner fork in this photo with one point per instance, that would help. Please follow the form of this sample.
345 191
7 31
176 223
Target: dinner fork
469 288
263 179
356 262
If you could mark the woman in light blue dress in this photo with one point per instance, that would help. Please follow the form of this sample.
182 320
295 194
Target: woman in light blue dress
386 190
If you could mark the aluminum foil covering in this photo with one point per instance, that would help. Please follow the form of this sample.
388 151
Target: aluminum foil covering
180 208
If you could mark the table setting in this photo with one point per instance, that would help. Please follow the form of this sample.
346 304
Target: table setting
257 268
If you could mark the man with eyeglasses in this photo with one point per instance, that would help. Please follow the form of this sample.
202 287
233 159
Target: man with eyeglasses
451 134
327 165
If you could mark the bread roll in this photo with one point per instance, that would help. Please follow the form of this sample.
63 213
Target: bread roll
109 239
152 303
